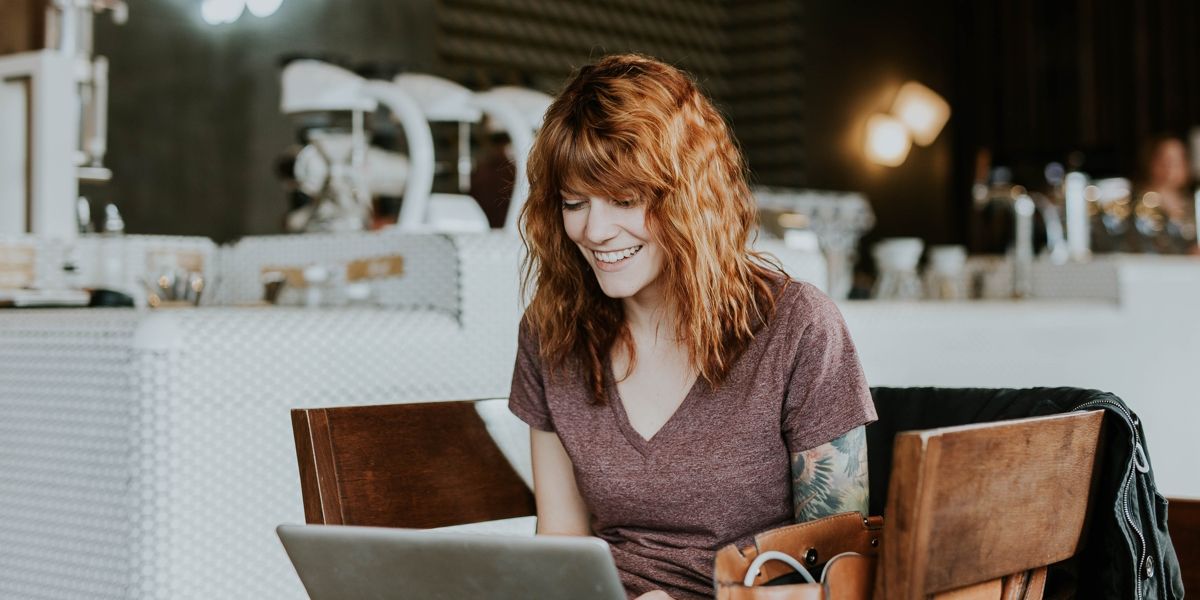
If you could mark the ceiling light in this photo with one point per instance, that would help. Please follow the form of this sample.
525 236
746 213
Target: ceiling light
232 9
263 8
216 12
211 12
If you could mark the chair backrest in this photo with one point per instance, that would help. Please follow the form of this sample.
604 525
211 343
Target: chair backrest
1185 536
972 504
404 465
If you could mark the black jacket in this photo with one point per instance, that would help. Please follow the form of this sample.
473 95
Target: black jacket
1128 552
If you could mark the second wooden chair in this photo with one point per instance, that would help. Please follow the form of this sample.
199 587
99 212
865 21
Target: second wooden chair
404 465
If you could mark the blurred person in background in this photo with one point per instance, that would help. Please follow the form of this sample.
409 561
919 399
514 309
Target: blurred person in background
1165 211
492 178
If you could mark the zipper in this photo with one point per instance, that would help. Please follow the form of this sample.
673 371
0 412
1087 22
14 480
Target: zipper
1140 558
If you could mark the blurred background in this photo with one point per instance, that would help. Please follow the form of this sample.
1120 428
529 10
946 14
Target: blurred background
196 131
239 208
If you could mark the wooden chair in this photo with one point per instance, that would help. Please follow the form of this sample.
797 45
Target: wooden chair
978 511
404 465
1184 517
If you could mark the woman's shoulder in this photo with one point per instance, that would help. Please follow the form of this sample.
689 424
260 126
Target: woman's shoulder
527 335
529 342
801 301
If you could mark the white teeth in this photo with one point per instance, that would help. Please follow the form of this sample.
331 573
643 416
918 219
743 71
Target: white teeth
612 257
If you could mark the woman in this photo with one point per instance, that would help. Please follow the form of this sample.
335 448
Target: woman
671 376
1165 213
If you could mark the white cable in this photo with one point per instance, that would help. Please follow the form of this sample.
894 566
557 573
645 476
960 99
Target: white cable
825 571
775 555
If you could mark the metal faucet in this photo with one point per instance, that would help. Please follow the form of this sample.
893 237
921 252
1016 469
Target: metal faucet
1023 208
1056 237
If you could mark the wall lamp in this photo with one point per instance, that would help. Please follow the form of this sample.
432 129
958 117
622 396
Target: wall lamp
918 115
217 12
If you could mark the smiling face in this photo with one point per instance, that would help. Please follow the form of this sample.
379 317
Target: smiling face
613 238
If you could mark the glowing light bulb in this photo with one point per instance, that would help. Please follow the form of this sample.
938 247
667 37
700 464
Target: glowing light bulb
216 12
211 12
263 8
922 110
887 140
232 9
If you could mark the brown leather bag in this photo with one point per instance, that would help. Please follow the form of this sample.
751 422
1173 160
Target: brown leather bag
821 542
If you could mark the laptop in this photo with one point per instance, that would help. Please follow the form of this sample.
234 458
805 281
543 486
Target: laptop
339 562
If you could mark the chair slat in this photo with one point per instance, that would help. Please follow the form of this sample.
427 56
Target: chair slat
1183 514
404 465
974 503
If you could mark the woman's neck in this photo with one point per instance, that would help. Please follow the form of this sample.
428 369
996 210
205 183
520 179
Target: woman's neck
652 327
649 316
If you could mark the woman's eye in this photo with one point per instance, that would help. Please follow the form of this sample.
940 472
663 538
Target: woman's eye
572 204
627 203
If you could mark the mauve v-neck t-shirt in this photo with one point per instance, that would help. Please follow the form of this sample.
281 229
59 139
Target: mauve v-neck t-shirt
718 471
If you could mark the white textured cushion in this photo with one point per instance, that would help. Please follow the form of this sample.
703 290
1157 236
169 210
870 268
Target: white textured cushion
522 526
510 434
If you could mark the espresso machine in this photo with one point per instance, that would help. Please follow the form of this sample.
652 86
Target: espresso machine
331 167
339 168
54 119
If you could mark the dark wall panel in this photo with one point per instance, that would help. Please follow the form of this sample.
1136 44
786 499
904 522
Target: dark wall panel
747 56
765 87
545 40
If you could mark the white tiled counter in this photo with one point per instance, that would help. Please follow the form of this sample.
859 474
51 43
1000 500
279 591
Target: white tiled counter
1145 348
149 454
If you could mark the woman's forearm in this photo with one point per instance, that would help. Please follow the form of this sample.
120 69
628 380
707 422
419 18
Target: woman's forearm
560 507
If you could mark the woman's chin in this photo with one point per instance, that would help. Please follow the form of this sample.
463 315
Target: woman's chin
617 291
619 288
618 285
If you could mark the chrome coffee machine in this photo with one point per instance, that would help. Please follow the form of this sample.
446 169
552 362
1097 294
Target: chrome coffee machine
337 167
54 115
332 163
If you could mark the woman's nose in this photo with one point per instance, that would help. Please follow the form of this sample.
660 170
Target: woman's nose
601 223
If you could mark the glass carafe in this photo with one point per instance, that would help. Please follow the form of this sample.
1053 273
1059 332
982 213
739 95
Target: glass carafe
896 260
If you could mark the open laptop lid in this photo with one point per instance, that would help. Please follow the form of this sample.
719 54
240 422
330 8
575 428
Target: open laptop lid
338 562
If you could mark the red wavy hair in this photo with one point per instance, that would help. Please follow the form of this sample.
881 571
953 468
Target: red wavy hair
631 126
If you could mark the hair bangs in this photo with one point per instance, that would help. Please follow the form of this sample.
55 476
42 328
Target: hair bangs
590 163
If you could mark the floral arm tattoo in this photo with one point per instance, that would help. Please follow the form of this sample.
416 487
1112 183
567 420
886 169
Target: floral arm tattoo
831 478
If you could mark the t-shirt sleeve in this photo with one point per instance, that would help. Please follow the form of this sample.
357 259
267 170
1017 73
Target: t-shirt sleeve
827 394
527 397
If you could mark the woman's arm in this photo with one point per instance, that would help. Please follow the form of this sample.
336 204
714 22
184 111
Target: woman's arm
560 508
831 478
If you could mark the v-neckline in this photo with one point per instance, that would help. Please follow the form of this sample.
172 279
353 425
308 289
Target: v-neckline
644 445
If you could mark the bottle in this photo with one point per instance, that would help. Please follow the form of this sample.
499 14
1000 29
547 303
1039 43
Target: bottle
1079 236
112 251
